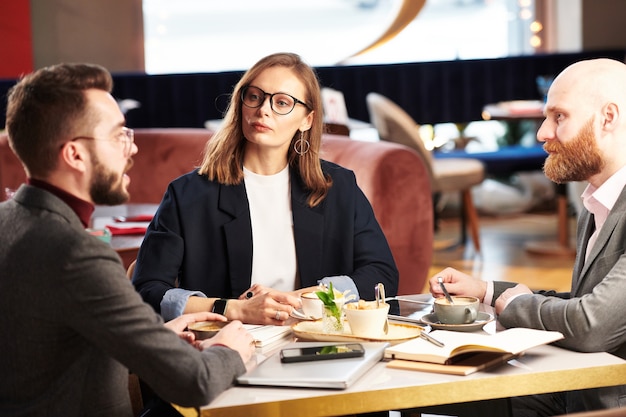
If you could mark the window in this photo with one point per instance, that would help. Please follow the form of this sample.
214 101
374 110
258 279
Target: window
208 36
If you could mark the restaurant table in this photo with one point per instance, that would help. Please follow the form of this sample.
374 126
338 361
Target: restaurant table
541 370
127 246
515 110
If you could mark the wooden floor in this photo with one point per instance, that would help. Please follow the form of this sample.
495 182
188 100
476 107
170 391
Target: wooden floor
504 255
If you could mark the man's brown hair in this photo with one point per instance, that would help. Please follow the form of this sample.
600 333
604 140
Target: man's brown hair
45 108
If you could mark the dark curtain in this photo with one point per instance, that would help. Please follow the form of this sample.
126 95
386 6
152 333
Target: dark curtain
431 92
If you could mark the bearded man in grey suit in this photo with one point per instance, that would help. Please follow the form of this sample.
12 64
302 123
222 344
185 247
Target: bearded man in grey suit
585 136
71 321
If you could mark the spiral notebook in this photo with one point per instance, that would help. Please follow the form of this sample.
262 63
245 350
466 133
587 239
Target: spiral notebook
336 373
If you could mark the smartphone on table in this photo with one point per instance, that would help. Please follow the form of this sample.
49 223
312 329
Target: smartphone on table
319 353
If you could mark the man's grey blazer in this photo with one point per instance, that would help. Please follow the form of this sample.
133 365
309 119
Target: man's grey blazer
73 325
592 316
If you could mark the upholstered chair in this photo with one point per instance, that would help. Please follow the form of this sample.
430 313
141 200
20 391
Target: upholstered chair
446 175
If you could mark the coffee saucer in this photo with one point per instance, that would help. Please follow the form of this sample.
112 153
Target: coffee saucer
482 318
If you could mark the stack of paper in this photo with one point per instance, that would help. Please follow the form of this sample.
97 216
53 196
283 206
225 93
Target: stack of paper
267 335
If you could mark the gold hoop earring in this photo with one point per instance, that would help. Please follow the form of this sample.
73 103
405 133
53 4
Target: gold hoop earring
301 146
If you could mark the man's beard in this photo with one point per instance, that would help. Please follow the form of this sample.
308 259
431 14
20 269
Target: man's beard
106 187
576 160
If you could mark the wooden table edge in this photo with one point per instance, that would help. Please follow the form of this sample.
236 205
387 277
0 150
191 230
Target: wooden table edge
398 398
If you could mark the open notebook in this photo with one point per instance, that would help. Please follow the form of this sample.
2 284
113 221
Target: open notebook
336 373
466 353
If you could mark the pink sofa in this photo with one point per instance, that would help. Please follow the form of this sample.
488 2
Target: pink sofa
11 171
392 176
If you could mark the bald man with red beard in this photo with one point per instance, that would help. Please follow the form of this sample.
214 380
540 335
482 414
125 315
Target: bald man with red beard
584 133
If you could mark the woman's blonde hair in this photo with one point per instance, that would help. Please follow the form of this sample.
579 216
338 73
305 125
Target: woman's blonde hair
223 155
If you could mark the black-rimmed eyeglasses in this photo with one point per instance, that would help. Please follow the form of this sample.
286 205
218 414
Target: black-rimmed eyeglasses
280 103
126 137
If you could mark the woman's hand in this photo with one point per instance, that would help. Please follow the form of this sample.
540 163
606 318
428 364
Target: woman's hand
263 305
179 324
458 283
257 289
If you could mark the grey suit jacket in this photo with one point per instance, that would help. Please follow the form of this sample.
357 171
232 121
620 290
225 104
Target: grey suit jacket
72 324
592 316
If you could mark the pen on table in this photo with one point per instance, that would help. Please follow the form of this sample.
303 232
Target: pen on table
431 339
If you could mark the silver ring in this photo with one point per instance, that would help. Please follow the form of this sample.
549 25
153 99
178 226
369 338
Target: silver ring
277 316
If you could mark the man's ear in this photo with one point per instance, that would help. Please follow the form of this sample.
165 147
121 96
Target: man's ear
73 155
610 116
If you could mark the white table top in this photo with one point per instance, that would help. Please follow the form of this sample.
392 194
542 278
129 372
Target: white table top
542 369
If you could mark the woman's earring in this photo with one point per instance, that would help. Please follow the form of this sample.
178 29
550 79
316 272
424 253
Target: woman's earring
301 146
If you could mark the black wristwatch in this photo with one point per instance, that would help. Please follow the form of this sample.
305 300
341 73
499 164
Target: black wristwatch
219 306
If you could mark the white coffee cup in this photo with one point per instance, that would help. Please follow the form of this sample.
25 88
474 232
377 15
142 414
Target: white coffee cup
311 305
366 320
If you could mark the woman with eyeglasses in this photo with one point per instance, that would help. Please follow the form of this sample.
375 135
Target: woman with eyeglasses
263 219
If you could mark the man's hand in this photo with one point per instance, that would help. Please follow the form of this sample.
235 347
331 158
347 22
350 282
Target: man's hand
458 283
234 336
509 294
180 323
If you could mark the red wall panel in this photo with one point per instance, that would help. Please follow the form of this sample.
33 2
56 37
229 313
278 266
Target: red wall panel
16 51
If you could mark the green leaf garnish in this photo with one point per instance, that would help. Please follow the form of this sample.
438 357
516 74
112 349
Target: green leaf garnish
328 299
